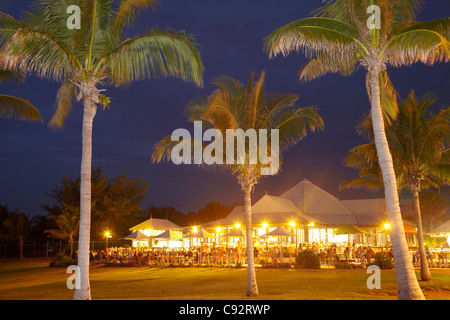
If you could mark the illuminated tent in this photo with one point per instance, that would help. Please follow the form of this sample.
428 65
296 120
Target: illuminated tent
348 229
317 203
237 233
156 224
201 233
409 229
137 235
442 229
279 232
168 234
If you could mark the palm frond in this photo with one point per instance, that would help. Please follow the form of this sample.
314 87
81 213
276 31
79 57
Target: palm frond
388 96
255 99
426 42
275 105
195 108
157 53
12 107
163 149
64 100
128 11
324 63
8 27
221 111
312 36
31 51
294 125
361 183
11 76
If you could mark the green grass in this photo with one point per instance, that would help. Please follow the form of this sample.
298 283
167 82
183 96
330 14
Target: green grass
34 280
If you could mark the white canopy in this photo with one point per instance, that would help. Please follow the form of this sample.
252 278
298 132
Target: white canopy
137 235
237 233
442 229
201 233
168 234
278 232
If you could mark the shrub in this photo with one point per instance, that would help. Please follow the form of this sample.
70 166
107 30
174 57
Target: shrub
307 260
62 260
343 265
383 260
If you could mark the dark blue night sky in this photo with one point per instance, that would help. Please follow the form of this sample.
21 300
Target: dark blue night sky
230 33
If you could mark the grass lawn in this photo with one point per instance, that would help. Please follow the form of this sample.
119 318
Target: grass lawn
35 280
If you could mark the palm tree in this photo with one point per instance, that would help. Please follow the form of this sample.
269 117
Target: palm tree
68 223
235 106
88 59
17 226
11 107
338 39
417 139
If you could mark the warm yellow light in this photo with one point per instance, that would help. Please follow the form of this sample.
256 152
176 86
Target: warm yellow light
218 229
107 234
311 224
194 229
292 223
237 225
387 226
265 225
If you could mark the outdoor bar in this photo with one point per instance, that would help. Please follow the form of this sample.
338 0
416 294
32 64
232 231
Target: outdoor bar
304 217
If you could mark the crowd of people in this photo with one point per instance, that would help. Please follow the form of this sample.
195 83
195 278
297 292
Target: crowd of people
221 255
207 254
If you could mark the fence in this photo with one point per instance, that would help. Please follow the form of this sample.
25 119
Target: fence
10 249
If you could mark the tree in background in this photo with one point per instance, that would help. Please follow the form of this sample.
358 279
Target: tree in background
418 141
434 205
68 223
340 38
87 59
115 201
17 226
233 106
12 107
212 211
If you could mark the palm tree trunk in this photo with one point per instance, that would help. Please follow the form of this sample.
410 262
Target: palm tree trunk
71 246
84 293
252 287
425 273
407 285
20 248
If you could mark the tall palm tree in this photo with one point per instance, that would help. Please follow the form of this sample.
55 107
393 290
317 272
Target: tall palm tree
86 60
12 107
68 223
338 39
235 106
17 226
417 140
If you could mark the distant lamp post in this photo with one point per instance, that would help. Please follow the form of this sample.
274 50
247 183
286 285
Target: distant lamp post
386 227
107 235
292 225
217 234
